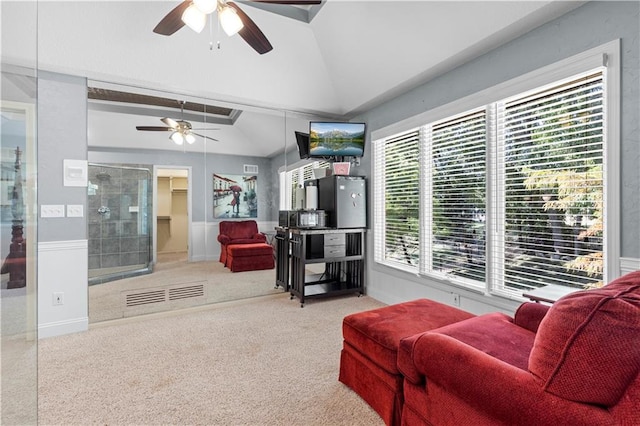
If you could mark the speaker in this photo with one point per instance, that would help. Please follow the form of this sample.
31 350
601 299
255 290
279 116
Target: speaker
302 139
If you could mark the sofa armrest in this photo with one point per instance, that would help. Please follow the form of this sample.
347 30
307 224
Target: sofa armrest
260 237
224 239
405 359
529 315
504 392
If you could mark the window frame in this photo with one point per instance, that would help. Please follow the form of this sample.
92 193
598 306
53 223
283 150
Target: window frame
607 58
286 179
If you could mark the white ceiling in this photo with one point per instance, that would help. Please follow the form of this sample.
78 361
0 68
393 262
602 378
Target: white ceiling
353 55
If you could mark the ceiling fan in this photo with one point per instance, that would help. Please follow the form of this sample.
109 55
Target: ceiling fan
182 131
193 13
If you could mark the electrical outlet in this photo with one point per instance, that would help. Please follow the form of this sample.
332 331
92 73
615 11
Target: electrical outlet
51 210
455 298
58 298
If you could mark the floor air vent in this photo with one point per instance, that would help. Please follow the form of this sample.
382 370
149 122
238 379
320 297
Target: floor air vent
145 297
164 295
186 292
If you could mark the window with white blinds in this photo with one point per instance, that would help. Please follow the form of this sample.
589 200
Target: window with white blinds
552 168
456 195
397 221
510 196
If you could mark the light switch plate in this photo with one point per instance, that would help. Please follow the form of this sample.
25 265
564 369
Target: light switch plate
75 210
75 172
52 210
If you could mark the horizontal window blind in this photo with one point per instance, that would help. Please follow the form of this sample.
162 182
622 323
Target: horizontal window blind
509 196
397 176
458 196
553 186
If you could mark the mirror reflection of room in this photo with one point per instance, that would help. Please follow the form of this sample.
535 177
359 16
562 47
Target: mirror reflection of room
165 171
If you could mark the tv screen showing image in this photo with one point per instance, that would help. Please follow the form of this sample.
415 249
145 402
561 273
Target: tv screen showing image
302 140
331 139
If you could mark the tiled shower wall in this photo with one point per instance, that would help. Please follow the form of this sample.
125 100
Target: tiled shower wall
122 236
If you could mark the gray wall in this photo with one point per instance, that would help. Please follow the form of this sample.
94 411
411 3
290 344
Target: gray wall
589 26
203 166
62 134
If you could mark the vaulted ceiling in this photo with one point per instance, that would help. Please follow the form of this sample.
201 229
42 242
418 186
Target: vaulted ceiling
351 56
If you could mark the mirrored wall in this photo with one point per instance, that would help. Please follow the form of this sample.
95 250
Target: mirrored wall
18 234
153 238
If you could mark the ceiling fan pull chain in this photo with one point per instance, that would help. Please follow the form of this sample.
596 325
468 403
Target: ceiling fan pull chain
218 29
211 32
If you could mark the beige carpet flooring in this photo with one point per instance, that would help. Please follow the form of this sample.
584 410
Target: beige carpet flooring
108 301
260 361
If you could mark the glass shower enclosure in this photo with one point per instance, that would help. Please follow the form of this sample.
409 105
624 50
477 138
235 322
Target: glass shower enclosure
119 220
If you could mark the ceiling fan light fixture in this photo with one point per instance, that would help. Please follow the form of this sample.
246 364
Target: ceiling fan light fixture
189 138
177 138
230 21
206 6
194 18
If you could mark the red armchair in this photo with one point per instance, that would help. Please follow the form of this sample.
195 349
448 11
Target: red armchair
238 232
576 362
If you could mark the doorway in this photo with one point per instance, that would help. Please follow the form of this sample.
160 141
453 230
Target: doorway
173 214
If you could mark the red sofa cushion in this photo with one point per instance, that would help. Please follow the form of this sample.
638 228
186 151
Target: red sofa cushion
255 249
587 348
240 229
494 334
377 333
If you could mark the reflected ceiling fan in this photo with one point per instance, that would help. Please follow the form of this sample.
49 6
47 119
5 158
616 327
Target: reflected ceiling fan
193 13
182 131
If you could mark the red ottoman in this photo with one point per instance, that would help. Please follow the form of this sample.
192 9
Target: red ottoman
370 349
249 257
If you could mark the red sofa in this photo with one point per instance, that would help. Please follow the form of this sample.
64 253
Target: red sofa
368 361
574 363
238 232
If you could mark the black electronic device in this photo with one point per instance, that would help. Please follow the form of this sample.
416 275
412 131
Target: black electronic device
302 139
344 199
284 217
336 139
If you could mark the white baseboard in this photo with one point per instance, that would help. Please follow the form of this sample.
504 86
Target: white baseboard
59 328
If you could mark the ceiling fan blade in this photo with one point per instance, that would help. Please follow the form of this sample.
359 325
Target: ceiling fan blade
155 128
205 137
173 21
251 33
299 2
170 122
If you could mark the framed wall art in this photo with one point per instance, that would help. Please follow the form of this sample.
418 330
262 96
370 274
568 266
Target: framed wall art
235 196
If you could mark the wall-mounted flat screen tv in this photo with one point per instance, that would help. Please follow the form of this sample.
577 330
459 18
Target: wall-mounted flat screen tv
302 139
333 139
